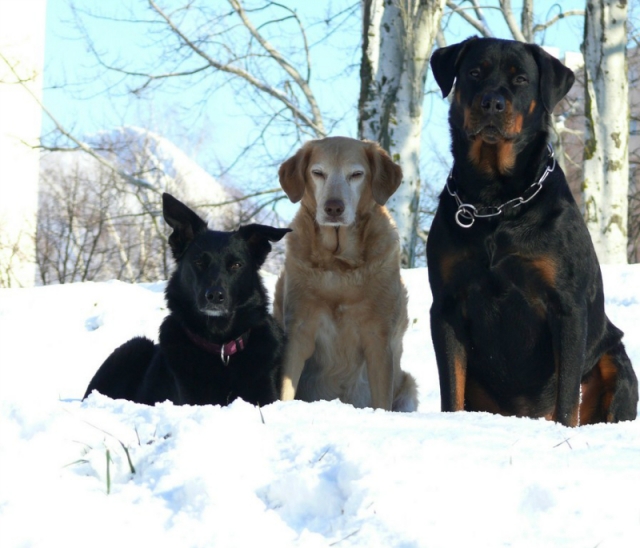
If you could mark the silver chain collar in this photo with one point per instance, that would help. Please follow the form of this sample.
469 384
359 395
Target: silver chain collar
467 214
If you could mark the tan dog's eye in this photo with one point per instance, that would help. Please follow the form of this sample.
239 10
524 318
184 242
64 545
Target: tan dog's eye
317 173
356 174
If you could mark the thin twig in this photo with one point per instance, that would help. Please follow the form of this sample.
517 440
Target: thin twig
243 74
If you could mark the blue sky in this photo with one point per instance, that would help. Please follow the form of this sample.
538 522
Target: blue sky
89 98
86 98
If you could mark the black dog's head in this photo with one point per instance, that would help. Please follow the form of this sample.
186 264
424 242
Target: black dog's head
216 278
504 94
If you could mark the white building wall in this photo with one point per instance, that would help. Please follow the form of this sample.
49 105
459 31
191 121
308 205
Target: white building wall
22 39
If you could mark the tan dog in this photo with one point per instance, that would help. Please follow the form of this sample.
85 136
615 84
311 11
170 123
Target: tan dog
340 297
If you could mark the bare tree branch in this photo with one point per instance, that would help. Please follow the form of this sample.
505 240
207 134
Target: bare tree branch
477 24
544 26
302 83
242 198
507 13
315 125
480 15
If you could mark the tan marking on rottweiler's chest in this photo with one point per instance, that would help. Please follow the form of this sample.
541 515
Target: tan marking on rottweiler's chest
547 267
491 158
448 264
506 157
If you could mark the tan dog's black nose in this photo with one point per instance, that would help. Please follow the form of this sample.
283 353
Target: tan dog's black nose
334 208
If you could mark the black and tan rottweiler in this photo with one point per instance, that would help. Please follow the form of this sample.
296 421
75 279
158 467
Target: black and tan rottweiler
517 321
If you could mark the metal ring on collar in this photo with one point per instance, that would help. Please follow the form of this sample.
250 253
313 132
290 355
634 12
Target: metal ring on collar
467 213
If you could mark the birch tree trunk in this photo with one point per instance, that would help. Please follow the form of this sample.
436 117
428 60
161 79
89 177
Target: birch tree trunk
397 39
606 155
526 20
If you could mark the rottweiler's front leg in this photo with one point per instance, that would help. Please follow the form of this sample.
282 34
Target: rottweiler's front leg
451 357
569 333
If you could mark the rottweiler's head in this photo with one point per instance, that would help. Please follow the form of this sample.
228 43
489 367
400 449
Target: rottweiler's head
504 94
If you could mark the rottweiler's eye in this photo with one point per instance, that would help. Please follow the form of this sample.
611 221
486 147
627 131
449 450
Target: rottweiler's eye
520 80
474 73
235 266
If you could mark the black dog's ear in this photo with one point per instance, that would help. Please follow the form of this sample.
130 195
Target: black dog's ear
445 62
555 79
258 238
185 223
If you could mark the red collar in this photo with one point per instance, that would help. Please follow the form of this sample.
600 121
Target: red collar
225 351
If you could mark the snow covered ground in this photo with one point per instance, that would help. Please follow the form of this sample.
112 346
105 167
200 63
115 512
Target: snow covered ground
297 474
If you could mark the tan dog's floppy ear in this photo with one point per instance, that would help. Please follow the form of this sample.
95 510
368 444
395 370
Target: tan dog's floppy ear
292 173
386 175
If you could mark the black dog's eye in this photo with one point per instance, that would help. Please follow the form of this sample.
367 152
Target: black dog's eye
474 73
200 262
520 80
235 266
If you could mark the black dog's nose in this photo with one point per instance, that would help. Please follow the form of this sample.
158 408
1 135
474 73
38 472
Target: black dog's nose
334 207
214 295
492 103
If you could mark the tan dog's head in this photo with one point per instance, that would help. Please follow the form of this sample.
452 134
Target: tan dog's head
335 173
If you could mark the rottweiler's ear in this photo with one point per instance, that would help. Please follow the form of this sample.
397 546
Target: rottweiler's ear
445 62
258 238
292 173
555 79
386 175
185 223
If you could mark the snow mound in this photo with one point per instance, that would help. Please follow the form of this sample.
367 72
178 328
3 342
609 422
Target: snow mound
289 474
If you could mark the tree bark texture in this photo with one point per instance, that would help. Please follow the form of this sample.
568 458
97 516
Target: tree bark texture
606 155
398 36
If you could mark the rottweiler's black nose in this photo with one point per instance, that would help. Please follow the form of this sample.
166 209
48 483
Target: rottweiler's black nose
214 295
493 103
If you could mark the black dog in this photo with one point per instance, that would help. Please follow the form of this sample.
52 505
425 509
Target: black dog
219 342
517 321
